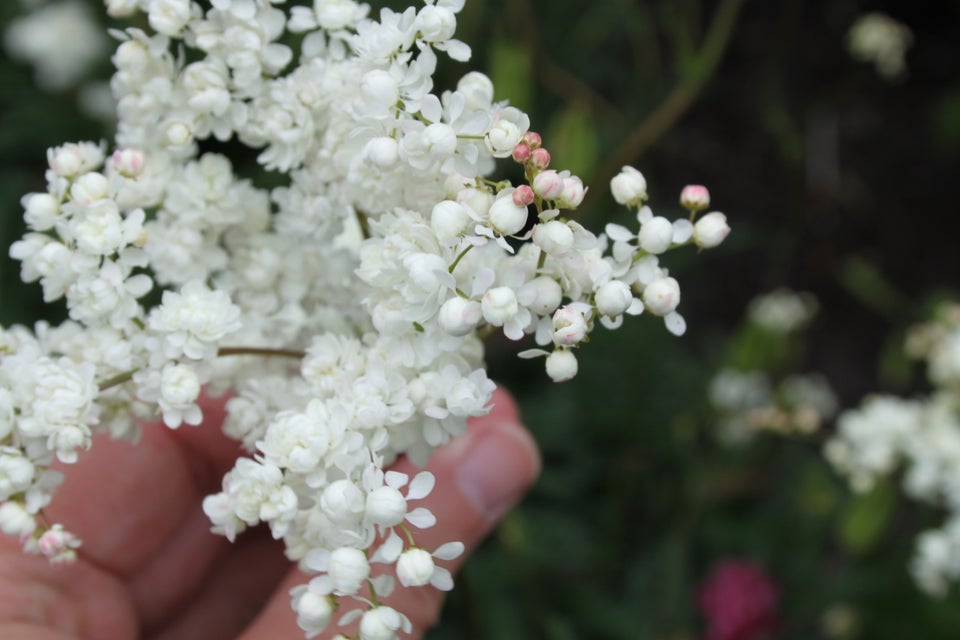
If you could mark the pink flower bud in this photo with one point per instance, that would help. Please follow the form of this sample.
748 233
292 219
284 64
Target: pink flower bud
533 139
540 158
521 153
523 196
573 192
739 601
695 197
128 162
548 184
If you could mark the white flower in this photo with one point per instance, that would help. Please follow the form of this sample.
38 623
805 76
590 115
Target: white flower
662 296
506 217
194 319
629 187
569 325
415 566
314 610
614 298
383 623
656 235
710 230
459 316
554 237
561 365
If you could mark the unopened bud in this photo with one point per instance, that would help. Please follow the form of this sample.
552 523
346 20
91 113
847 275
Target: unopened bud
533 139
128 162
548 184
710 230
523 196
561 365
569 326
521 153
662 296
540 158
506 216
629 187
694 198
573 192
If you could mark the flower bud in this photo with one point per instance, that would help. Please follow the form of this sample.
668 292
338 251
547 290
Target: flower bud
459 316
477 88
503 137
569 326
128 162
313 610
613 298
573 193
449 220
548 184
415 568
710 230
499 305
541 295
90 187
629 187
561 365
15 520
179 384
40 211
383 151
178 134
655 235
523 196
380 88
386 506
436 23
694 198
521 153
348 569
533 139
382 623
540 158
478 200
505 216
554 238
662 296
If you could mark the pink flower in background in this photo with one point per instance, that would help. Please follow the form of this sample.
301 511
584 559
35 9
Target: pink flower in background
739 602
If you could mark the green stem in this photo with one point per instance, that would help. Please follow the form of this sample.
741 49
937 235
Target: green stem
680 99
126 376
457 260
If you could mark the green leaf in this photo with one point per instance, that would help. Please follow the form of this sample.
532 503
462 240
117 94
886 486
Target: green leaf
865 519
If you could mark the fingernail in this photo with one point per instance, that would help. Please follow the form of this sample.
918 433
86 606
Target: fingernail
497 469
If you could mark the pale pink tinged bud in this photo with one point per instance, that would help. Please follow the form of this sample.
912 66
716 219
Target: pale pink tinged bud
569 326
533 139
694 198
710 230
523 196
561 365
548 184
540 158
128 162
573 192
521 153
66 160
629 187
662 296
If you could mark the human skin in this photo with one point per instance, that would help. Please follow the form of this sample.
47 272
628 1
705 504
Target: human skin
150 568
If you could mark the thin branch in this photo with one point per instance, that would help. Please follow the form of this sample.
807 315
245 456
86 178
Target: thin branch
680 99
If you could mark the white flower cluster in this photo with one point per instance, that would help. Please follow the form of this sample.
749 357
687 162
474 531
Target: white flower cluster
920 435
344 308
883 41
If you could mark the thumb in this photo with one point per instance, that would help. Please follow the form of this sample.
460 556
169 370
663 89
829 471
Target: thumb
480 476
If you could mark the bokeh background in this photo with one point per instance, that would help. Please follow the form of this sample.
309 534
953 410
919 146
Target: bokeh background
837 180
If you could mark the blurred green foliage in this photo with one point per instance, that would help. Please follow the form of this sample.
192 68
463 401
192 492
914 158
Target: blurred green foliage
835 181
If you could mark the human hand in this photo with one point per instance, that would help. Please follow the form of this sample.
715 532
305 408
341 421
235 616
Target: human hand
150 568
